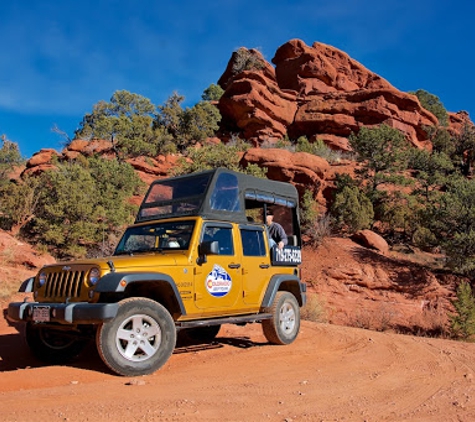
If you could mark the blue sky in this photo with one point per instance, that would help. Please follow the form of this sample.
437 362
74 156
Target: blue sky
60 57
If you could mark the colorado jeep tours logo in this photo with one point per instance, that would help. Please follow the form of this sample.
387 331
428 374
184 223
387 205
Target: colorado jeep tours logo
218 281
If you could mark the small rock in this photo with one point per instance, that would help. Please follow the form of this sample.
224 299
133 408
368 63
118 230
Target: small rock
135 382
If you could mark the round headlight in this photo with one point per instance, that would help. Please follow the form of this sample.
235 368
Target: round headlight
42 279
94 275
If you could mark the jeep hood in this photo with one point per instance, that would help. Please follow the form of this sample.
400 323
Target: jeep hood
126 263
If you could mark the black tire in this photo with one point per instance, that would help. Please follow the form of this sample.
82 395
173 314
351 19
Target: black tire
284 325
53 346
202 334
139 340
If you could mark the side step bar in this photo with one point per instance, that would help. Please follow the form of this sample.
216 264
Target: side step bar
218 321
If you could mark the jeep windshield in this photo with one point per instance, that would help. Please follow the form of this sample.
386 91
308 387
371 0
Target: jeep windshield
174 235
180 196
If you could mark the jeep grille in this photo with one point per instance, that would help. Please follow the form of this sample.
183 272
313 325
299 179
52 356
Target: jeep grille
64 284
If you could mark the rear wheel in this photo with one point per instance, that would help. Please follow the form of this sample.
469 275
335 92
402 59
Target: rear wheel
139 340
284 325
53 346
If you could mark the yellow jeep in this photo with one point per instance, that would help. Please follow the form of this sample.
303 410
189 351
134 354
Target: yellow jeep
198 256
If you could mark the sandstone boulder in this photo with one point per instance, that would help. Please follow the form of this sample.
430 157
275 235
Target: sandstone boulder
89 148
305 171
371 240
150 169
44 156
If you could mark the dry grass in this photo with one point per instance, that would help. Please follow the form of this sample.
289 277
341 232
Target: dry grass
434 261
431 322
7 256
11 276
381 320
314 310
9 284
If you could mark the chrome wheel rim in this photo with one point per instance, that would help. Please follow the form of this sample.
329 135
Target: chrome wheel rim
138 338
287 319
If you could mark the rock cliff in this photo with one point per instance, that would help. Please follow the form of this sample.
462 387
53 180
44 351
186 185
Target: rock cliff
316 91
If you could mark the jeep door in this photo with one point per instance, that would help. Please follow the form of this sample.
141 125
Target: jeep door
218 281
255 263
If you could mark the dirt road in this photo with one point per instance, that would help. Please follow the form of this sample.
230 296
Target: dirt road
330 373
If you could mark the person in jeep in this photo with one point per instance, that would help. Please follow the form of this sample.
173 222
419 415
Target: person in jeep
276 231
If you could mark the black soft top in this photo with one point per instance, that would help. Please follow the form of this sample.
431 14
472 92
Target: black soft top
220 194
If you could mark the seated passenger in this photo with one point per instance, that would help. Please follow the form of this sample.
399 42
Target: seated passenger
173 243
276 232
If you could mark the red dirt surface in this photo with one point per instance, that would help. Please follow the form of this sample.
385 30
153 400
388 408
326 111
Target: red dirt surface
330 373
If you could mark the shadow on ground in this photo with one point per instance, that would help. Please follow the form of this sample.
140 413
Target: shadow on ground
15 353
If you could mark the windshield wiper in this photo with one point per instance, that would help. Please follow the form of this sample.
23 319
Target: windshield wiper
133 252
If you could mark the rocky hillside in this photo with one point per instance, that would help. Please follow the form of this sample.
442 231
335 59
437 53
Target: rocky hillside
322 93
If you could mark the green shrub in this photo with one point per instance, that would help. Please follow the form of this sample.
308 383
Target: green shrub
10 157
212 93
352 210
308 209
463 322
432 103
450 215
127 120
200 122
424 239
76 206
319 148
382 152
212 156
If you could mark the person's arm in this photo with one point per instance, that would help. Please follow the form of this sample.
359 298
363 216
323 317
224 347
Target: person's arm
282 236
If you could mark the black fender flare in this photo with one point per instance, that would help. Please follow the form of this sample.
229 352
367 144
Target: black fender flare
293 285
118 282
27 286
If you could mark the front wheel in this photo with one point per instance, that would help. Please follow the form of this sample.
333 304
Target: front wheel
139 340
53 346
284 325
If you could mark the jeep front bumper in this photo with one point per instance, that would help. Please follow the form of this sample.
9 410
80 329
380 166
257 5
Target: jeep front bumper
62 313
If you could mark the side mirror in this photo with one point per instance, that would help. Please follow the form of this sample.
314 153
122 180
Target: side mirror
207 248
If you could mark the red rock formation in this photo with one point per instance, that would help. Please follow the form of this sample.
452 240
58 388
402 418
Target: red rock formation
319 92
253 102
457 122
147 169
321 69
305 171
44 156
152 169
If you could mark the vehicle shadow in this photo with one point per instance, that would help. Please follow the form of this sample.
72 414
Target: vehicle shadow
15 353
188 345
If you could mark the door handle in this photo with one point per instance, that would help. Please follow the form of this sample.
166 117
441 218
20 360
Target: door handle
265 266
234 265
